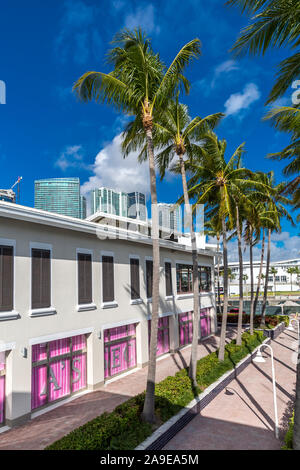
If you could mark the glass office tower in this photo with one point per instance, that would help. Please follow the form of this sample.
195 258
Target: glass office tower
109 201
59 195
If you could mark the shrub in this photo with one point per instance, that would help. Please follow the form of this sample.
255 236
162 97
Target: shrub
288 438
123 428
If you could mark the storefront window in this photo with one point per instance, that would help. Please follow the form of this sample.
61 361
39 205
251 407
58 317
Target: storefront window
58 369
2 387
119 349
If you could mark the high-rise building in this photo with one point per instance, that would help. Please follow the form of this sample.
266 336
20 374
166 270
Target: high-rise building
59 195
109 201
169 217
82 207
137 206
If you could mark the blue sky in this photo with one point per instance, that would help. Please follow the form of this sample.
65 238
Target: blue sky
45 132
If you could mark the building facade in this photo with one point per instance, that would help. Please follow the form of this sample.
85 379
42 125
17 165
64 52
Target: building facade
109 201
169 217
137 206
75 306
280 281
60 195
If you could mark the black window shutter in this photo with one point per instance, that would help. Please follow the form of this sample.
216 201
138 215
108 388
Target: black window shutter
84 278
108 278
40 279
149 278
135 278
168 274
6 278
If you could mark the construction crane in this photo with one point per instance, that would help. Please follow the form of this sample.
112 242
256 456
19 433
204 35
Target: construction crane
9 194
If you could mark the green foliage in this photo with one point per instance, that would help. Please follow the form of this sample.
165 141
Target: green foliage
288 438
123 428
270 320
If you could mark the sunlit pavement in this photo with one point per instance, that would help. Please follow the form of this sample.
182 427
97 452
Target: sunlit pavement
242 417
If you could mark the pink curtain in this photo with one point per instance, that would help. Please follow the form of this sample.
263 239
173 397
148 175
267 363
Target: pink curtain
59 379
78 372
2 386
59 347
79 342
2 398
39 352
38 386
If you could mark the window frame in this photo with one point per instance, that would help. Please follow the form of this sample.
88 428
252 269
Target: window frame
10 314
35 312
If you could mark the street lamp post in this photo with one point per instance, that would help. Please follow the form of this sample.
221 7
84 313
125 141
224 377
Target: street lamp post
259 358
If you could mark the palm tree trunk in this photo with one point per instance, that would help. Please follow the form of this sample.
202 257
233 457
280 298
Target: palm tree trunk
194 350
225 302
240 317
149 404
263 313
218 273
260 272
251 283
296 430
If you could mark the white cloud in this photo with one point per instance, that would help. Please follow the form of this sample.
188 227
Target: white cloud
113 171
283 246
238 101
72 157
143 16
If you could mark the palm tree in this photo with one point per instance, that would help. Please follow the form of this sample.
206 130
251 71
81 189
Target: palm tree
292 270
213 229
255 219
177 134
216 182
141 86
275 23
274 271
274 206
287 119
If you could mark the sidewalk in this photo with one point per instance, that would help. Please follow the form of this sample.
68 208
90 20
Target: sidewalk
242 418
47 428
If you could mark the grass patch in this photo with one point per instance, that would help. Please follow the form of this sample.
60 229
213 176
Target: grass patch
123 429
288 438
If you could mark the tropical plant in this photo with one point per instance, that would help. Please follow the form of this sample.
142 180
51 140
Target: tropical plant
274 271
140 85
218 183
213 229
274 23
176 134
275 206
287 119
292 270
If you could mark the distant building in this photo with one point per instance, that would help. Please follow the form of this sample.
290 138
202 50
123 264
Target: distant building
280 281
119 203
169 217
82 207
109 201
7 195
137 206
60 195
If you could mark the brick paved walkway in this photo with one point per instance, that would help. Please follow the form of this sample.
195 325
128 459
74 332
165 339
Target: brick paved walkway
47 428
242 417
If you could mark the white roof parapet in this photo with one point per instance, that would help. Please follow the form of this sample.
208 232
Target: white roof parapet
29 214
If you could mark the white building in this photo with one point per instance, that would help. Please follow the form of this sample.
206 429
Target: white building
75 305
169 217
281 281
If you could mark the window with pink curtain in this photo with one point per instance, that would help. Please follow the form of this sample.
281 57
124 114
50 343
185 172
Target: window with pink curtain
2 386
58 369
119 349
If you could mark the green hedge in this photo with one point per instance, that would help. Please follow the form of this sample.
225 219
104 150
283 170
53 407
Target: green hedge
270 320
123 429
288 438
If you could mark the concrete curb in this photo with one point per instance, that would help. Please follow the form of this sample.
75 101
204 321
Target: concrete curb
274 332
168 430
